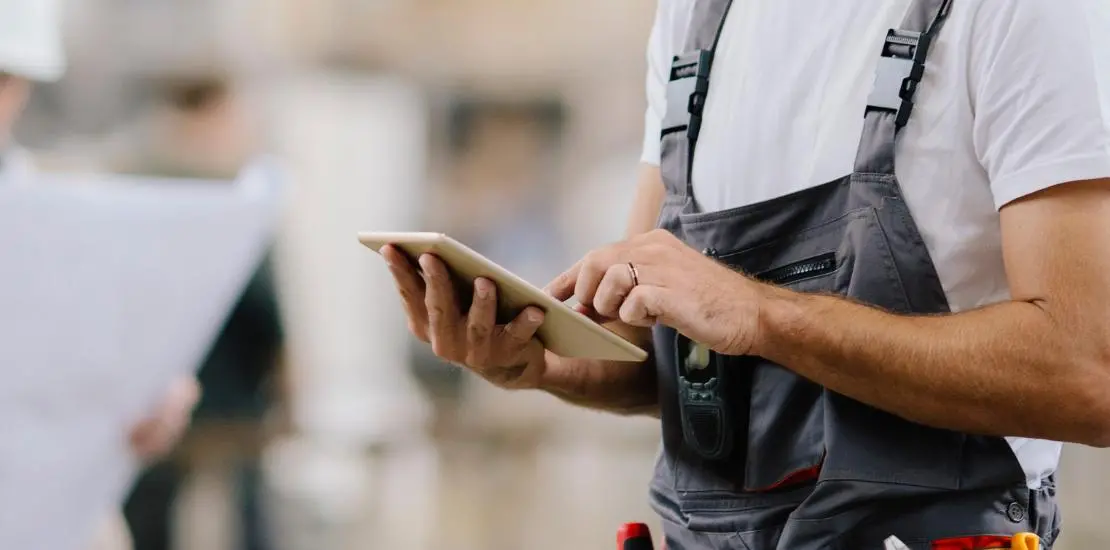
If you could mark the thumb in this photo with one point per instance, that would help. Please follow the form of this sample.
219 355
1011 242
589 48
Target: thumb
592 314
647 305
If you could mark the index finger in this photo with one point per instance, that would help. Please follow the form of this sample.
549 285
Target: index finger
394 257
562 287
411 287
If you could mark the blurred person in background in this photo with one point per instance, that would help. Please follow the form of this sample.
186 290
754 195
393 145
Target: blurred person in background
504 183
31 50
199 128
846 347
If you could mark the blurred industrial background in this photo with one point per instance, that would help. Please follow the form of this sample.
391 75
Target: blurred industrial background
515 125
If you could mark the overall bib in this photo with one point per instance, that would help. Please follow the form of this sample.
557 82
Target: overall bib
756 457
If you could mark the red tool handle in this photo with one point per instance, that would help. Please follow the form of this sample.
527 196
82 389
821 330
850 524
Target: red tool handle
634 536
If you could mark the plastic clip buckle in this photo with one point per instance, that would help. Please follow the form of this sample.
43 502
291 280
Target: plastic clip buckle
696 103
900 70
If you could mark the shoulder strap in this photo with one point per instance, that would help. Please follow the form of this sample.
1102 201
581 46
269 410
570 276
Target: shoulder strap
901 67
688 85
705 24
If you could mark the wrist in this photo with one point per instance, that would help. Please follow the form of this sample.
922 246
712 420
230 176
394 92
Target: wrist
778 315
621 388
553 377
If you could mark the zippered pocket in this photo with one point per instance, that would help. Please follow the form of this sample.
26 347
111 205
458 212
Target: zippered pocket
800 270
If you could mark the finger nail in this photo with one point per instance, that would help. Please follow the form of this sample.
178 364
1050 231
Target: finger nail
483 287
535 315
428 265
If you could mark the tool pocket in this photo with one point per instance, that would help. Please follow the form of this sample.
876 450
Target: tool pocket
750 425
732 449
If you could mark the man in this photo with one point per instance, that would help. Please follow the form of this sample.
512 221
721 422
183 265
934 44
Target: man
873 307
201 131
31 51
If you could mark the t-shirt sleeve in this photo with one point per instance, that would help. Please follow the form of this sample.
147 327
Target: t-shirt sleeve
1040 87
658 64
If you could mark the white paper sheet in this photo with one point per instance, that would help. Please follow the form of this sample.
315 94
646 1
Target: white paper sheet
110 287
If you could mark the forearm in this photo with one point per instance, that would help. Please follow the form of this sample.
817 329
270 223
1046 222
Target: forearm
1010 369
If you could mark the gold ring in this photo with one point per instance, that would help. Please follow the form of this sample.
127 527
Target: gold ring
635 276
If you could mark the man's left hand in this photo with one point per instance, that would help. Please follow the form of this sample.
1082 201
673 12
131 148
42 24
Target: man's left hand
656 278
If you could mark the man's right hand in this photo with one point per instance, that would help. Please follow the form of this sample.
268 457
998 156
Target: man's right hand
508 356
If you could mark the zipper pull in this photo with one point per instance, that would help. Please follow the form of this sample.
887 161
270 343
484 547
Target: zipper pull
711 252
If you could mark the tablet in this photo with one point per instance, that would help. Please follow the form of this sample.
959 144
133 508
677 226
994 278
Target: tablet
565 331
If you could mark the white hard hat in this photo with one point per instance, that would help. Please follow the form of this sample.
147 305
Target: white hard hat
31 39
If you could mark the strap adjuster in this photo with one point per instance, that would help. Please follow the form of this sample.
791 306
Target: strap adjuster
900 69
696 104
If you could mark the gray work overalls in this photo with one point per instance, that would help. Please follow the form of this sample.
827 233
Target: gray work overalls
756 457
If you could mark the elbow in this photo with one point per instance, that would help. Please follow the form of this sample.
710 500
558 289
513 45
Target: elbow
1092 418
1079 385
1099 436
1100 429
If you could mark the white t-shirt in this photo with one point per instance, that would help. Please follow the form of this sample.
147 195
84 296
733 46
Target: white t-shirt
1015 99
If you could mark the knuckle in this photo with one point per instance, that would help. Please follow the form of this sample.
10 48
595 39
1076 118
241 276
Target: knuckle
657 249
478 332
407 294
521 344
593 261
603 302
515 337
436 312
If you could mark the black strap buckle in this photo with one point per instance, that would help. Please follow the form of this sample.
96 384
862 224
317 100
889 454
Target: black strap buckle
696 104
900 69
